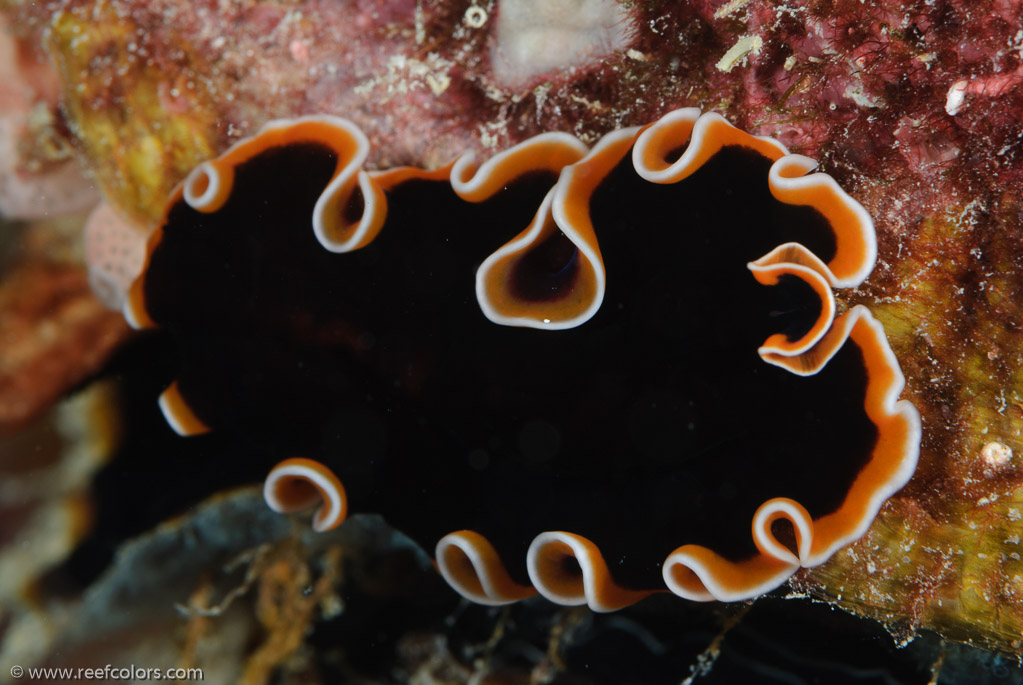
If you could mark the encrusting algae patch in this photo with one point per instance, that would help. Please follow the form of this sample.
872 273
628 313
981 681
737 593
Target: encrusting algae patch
149 124
944 553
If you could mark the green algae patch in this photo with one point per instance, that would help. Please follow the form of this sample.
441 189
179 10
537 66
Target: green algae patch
141 131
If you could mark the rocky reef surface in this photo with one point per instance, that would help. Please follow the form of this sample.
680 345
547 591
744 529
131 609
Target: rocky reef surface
915 107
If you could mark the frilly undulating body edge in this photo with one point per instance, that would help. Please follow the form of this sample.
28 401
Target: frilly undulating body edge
351 211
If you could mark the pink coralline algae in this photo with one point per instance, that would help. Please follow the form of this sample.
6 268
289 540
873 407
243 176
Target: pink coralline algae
868 88
38 175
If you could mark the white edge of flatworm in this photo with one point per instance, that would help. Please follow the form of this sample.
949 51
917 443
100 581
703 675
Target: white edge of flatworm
467 180
890 407
598 591
331 511
698 139
590 251
520 245
128 310
178 414
794 513
489 571
202 201
782 177
713 589
175 422
351 173
814 278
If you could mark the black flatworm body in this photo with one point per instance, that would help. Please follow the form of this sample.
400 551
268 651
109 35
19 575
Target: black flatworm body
654 423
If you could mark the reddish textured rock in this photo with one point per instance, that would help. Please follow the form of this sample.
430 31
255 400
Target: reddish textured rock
54 333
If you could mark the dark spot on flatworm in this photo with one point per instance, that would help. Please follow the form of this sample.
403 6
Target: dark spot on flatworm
657 402
547 271
675 154
355 206
570 566
785 533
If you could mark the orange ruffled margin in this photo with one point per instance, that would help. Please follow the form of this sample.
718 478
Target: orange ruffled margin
466 559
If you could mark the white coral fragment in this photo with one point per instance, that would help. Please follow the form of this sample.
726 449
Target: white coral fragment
745 46
537 37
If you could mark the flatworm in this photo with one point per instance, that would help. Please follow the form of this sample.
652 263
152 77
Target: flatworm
591 374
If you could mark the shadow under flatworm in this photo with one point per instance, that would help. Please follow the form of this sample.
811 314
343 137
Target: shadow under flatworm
653 425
